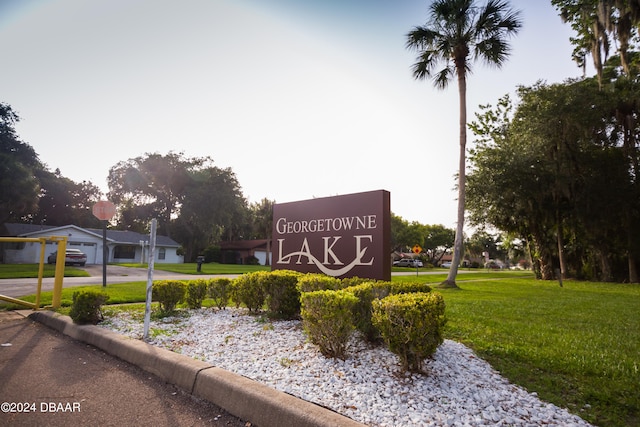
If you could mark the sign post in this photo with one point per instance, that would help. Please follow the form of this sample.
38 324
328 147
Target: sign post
104 210
416 250
149 294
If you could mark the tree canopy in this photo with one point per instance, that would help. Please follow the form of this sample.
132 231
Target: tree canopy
30 193
195 202
457 33
19 187
553 172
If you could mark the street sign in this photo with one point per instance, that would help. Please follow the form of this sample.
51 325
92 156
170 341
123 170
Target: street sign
104 210
416 249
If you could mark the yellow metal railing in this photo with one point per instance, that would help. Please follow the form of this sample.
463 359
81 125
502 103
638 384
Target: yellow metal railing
59 274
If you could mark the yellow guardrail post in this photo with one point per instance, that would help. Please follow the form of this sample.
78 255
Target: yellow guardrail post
59 275
60 261
43 244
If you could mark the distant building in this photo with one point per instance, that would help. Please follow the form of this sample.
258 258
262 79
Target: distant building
242 251
123 246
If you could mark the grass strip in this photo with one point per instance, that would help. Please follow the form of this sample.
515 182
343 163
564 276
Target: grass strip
24 271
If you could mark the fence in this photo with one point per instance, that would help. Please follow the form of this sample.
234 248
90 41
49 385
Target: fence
59 273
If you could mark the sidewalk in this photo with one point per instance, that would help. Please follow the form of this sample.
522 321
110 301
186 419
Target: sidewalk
66 374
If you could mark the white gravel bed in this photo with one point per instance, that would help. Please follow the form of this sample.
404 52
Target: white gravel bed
370 387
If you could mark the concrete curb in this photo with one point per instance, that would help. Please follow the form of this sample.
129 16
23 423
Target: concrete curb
238 395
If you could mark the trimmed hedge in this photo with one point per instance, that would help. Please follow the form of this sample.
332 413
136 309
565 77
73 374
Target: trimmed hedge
327 319
168 293
282 294
248 290
411 325
366 293
220 291
318 282
407 288
196 293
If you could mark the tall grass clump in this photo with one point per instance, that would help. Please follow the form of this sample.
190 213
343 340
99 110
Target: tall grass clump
86 307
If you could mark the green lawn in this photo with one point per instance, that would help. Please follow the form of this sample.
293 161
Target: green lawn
207 268
577 346
17 271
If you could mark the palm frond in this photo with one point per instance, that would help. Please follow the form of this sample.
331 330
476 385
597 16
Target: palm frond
457 29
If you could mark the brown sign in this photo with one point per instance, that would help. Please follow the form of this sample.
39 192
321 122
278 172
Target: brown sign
342 236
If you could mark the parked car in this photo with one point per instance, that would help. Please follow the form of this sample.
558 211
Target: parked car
408 262
446 264
72 256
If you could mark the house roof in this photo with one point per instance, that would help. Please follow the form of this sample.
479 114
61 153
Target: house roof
243 245
114 236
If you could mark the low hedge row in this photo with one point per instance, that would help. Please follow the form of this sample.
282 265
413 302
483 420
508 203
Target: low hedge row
408 317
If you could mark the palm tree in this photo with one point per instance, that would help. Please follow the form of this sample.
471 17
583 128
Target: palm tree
457 32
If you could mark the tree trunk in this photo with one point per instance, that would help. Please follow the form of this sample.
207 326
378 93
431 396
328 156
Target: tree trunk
631 259
561 257
450 282
542 256
267 262
605 267
633 270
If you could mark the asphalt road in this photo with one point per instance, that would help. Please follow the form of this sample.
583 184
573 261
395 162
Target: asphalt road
115 274
49 379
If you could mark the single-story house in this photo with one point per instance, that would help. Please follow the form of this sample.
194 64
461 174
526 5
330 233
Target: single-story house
240 251
123 246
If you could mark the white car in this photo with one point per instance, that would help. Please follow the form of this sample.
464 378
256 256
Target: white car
446 264
408 262
72 256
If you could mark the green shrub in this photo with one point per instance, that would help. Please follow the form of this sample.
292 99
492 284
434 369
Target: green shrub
220 291
232 292
168 293
212 254
408 287
251 260
196 293
353 281
248 290
85 308
282 294
317 282
367 292
327 319
411 325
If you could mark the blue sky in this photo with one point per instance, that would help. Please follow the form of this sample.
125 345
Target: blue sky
300 99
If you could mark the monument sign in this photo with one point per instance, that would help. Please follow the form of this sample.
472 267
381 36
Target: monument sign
341 236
